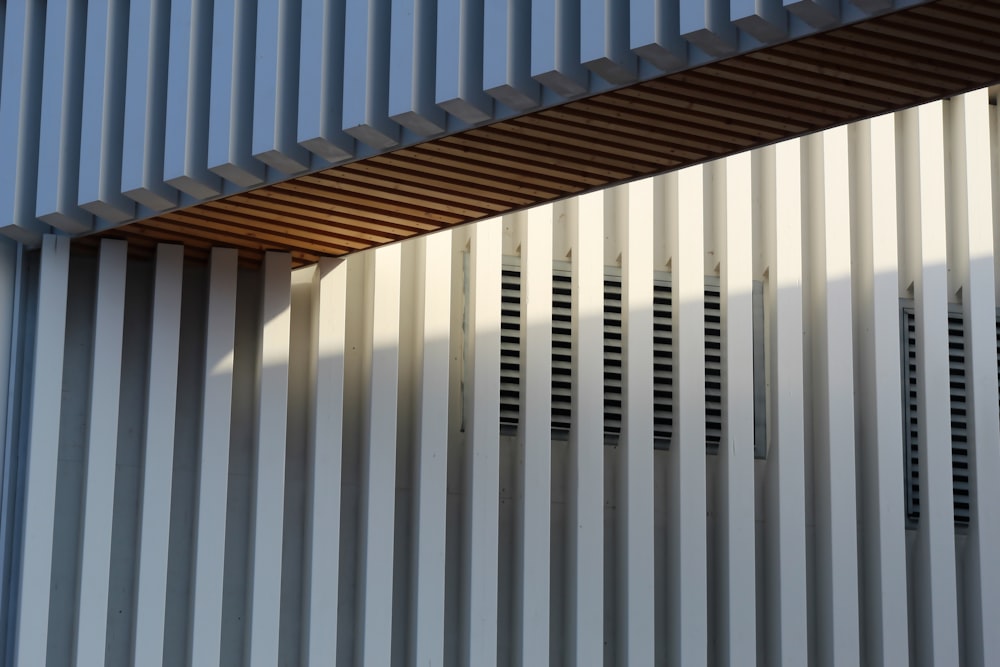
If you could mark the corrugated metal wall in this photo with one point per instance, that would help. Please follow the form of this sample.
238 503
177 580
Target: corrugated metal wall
279 467
115 110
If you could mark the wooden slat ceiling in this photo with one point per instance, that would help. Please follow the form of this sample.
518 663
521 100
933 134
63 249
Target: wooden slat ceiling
884 64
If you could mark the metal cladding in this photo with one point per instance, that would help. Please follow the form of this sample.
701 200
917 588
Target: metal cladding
113 111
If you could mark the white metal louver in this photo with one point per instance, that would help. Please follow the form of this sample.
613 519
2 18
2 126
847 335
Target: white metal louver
959 416
562 349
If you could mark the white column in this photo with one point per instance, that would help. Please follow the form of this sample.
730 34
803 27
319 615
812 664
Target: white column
785 542
837 611
268 511
636 613
322 566
482 456
936 604
378 464
213 462
43 450
430 471
688 606
736 572
158 458
102 451
974 207
585 484
877 374
534 498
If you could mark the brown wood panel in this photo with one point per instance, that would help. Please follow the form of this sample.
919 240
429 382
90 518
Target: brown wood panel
883 64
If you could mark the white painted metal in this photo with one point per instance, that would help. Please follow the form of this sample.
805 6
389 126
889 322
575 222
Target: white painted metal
482 456
101 120
197 97
971 235
59 145
321 576
688 605
264 584
213 465
145 106
158 456
20 99
102 450
734 623
430 471
636 618
831 402
534 474
878 407
275 88
936 600
228 134
378 462
585 510
366 93
43 446
786 618
384 521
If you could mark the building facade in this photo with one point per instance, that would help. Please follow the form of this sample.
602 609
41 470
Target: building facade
453 450
391 332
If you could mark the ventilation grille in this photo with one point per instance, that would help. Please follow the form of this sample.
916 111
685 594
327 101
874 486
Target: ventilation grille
959 415
562 355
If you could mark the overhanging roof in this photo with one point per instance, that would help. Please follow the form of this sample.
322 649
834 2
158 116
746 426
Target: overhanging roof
729 91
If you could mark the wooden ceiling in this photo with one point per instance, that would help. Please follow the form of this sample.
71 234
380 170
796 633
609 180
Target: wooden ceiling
921 54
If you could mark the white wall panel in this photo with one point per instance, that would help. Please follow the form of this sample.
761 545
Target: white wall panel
286 467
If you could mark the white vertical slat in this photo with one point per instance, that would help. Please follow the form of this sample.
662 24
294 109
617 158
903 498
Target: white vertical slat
874 232
185 140
102 449
705 24
533 550
322 571
145 111
430 472
651 35
971 159
411 68
604 40
20 97
275 90
267 518
103 94
158 457
838 629
229 126
378 464
937 619
482 456
59 145
213 461
321 81
555 48
765 21
736 635
585 539
819 14
366 74
785 548
43 449
459 81
507 54
636 613
689 602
